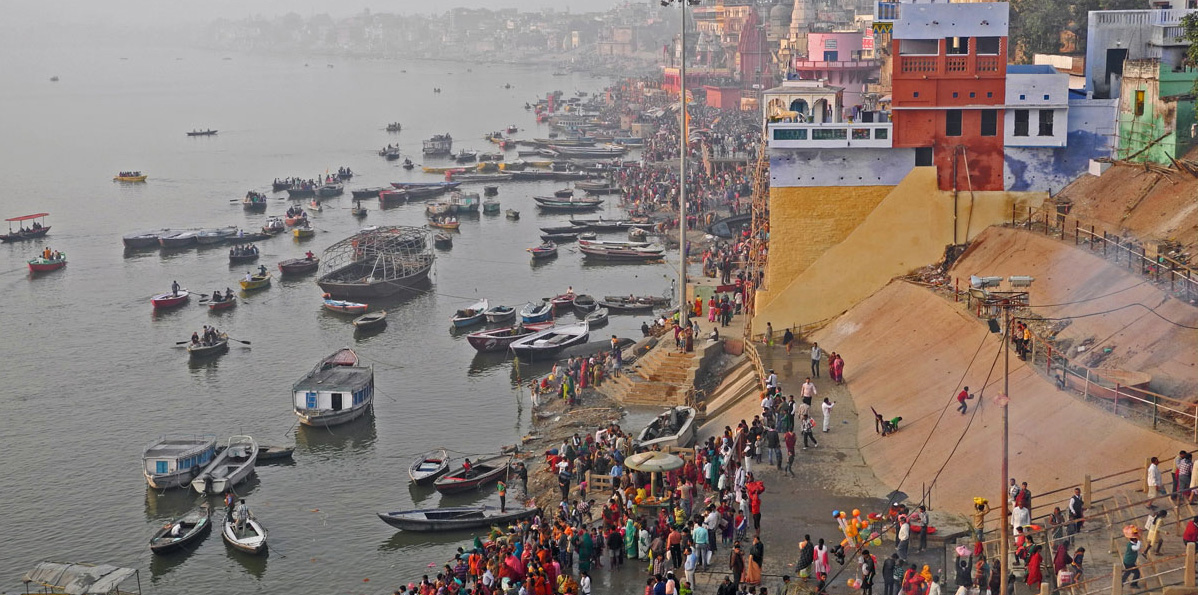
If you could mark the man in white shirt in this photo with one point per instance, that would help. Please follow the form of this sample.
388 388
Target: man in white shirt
584 584
808 390
767 404
816 355
826 406
712 522
904 538
771 381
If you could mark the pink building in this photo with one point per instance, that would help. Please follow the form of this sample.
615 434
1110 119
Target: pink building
836 57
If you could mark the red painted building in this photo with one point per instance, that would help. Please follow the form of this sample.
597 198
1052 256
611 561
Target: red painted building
949 86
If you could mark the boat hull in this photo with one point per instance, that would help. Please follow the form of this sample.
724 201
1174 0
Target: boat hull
298 266
207 351
45 266
431 465
333 418
166 481
453 483
374 289
454 519
166 300
254 545
162 543
29 234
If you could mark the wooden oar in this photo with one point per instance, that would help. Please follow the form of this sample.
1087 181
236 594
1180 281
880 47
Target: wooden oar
239 340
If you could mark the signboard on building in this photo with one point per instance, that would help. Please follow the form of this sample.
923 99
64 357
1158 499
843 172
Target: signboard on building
829 43
867 42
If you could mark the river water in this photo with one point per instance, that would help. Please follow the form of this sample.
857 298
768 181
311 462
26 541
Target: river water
91 375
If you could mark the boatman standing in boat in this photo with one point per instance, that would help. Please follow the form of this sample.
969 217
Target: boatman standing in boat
242 514
174 288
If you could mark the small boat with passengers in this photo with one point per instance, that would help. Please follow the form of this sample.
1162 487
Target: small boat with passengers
471 476
37 230
191 528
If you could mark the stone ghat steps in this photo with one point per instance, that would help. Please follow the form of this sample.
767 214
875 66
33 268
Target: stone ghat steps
660 377
739 384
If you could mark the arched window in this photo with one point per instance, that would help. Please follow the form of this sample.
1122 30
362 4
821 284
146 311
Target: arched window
799 106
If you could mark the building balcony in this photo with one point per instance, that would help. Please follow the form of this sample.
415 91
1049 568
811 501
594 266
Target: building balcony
1168 35
839 135
963 66
837 65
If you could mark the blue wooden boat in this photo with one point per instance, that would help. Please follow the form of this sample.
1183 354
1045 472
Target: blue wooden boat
536 312
470 316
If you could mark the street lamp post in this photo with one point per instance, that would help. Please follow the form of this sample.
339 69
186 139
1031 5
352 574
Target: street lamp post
683 308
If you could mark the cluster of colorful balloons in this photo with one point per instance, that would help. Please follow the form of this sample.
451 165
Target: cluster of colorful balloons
856 529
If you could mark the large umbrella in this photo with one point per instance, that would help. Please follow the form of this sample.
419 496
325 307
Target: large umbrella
654 462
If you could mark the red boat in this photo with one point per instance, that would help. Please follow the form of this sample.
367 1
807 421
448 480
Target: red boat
42 264
563 300
299 266
393 196
499 339
170 300
38 230
222 305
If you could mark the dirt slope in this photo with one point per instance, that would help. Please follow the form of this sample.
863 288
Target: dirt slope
906 350
1139 341
1148 205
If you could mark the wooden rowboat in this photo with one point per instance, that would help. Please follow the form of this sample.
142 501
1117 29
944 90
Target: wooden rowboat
445 225
170 300
199 351
222 305
193 527
499 339
299 266
456 518
482 472
43 265
371 320
251 539
256 282
428 467
344 307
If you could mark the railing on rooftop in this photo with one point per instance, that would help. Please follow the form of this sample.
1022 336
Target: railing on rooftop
786 135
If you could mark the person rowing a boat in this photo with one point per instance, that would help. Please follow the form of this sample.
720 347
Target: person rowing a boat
174 288
262 270
217 296
249 277
468 467
195 338
309 255
228 294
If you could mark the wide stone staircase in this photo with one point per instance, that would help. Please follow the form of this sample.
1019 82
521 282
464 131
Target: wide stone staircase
663 376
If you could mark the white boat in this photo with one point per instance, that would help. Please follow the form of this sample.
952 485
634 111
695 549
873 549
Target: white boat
550 341
675 427
232 466
251 538
613 243
173 461
336 391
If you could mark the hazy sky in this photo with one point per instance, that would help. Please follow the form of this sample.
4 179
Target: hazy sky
47 13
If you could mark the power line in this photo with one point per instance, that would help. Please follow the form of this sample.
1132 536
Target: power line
1124 307
1097 297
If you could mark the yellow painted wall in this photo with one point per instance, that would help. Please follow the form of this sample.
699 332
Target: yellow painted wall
908 229
810 221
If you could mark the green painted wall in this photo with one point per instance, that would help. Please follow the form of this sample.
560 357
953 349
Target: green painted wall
1164 113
